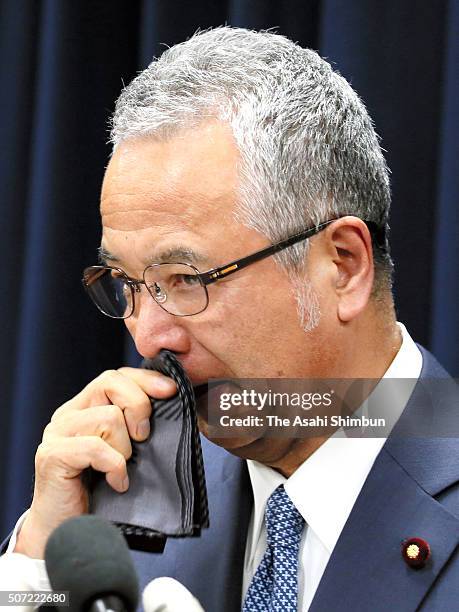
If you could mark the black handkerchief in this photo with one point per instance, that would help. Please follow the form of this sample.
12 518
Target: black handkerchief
167 490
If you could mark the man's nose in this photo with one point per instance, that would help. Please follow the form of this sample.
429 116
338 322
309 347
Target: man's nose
153 329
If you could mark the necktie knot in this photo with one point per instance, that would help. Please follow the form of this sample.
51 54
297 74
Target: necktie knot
284 524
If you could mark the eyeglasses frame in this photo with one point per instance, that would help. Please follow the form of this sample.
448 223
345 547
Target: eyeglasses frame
215 274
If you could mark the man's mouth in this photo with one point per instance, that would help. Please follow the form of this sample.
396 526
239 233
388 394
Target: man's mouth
206 394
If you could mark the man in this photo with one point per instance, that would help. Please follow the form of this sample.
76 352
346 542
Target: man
228 143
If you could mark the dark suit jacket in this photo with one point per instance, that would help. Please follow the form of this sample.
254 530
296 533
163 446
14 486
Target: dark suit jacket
411 491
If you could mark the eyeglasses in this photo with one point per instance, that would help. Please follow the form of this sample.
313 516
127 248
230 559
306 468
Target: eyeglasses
179 288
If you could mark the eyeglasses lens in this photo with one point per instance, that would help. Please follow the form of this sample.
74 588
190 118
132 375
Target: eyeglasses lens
176 288
109 291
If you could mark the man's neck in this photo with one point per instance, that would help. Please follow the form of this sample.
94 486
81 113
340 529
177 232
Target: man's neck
376 351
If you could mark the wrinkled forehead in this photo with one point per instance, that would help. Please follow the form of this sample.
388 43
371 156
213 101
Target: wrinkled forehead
184 181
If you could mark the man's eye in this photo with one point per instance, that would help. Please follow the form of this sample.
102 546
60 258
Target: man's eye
184 280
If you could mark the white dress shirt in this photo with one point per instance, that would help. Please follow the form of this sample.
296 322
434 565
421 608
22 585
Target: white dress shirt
324 489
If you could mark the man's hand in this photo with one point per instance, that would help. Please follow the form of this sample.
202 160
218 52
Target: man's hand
92 429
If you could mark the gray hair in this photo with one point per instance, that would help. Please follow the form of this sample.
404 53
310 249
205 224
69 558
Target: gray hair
308 148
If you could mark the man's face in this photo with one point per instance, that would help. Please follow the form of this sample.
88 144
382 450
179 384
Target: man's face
181 194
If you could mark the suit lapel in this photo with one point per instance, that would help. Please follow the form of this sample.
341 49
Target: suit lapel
366 570
216 577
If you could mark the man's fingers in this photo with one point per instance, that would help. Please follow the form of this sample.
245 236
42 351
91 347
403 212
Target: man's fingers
152 382
68 457
106 422
128 388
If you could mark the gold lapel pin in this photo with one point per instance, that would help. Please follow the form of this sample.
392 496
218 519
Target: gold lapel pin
415 552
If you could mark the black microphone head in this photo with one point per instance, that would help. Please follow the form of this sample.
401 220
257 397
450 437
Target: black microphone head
88 557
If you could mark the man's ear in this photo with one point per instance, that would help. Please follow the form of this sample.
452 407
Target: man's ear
349 243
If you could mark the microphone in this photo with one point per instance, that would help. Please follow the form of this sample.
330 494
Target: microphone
167 595
88 557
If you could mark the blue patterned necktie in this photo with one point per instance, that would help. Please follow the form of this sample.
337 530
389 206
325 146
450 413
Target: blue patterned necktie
274 587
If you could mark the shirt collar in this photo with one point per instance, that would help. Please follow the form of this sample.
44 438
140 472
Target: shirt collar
325 487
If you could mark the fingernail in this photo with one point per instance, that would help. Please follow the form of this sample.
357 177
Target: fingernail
164 383
125 484
143 429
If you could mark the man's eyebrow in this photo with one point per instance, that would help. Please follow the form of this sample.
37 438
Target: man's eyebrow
174 255
178 254
105 256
